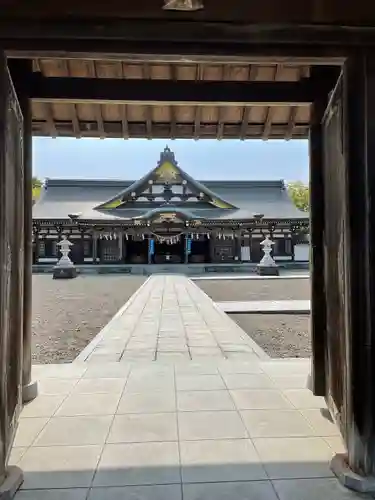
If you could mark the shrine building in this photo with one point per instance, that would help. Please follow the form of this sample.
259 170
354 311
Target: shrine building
167 217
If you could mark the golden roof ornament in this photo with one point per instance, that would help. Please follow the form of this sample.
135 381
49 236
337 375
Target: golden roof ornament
183 5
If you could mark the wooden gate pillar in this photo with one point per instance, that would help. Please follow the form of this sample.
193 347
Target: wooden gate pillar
11 274
318 301
20 71
357 340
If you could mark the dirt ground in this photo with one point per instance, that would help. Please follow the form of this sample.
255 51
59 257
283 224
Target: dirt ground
67 314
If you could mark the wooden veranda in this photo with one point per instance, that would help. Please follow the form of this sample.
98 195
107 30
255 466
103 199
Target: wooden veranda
265 70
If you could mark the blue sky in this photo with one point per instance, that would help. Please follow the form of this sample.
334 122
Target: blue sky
205 159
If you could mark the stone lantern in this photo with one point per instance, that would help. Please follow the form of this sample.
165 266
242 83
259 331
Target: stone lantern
267 266
65 268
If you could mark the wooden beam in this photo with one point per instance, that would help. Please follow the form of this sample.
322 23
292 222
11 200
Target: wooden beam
290 12
124 109
99 116
48 109
173 111
73 107
269 111
292 117
225 71
199 75
47 89
253 72
154 31
147 76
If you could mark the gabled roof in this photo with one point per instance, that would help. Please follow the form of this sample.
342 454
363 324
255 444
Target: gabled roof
61 197
167 171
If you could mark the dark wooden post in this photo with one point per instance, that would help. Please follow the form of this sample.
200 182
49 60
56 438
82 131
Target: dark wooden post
36 242
94 247
358 341
11 273
21 70
149 256
238 239
318 299
186 253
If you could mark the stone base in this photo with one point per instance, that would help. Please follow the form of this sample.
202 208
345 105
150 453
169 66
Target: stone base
309 384
13 481
268 270
29 391
350 479
64 272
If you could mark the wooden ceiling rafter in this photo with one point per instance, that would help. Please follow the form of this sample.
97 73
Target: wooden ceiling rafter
48 109
124 108
173 99
269 109
98 107
302 72
173 74
148 112
252 75
73 107
199 75
225 72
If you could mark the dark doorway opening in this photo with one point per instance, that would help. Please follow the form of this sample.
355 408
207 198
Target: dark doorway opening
200 251
169 253
137 251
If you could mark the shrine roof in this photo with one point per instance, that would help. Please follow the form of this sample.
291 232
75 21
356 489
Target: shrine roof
61 198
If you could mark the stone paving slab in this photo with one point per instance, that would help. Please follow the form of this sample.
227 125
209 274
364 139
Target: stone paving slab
170 319
266 306
154 431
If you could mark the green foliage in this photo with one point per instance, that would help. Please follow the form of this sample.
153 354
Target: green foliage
299 193
37 187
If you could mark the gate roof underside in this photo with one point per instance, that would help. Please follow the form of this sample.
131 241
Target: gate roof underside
165 120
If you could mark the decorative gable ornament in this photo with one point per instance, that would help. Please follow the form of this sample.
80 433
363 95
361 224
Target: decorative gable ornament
183 5
167 173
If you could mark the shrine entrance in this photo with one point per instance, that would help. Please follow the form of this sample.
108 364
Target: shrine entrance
263 71
169 250
199 249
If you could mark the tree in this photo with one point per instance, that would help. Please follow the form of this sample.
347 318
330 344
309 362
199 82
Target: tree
299 193
37 186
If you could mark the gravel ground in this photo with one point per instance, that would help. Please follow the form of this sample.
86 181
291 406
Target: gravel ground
280 335
242 290
67 314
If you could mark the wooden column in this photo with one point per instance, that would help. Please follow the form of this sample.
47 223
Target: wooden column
21 72
238 239
94 247
36 240
186 254
11 272
358 420
318 299
149 256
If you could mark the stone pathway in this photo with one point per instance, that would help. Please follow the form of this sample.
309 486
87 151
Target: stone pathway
153 425
216 430
171 319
